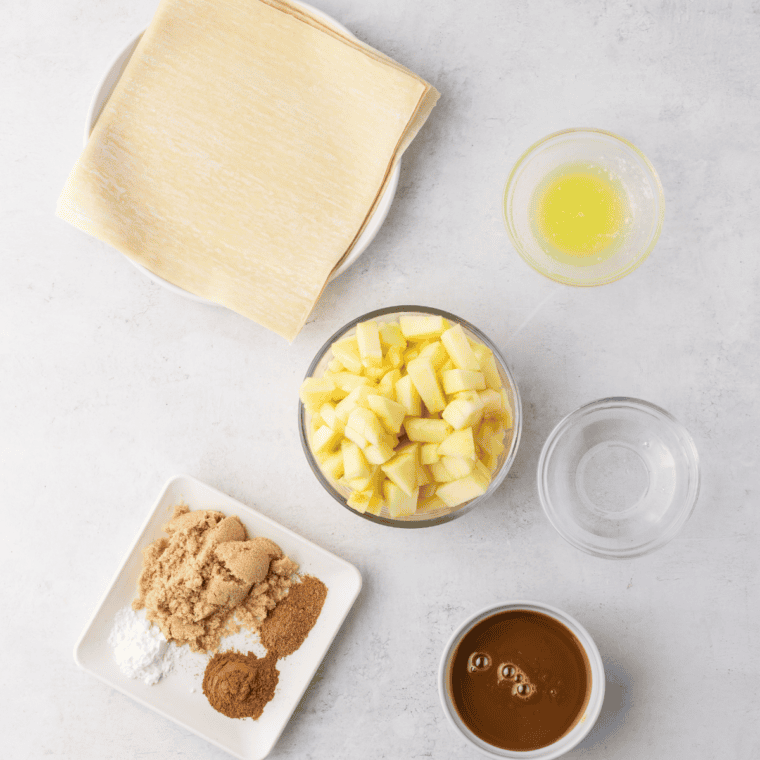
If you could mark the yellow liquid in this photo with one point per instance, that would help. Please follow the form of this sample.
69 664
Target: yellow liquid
580 214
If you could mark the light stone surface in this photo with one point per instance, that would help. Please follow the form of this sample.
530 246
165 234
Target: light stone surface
109 384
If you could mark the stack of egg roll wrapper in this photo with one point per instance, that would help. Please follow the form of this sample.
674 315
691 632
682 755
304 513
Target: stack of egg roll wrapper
243 152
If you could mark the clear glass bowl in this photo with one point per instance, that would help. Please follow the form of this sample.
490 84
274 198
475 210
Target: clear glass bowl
618 478
624 165
511 441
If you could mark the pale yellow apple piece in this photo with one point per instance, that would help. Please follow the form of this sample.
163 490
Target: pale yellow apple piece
424 476
346 351
365 482
429 453
462 490
356 437
379 454
430 504
439 473
490 372
457 466
425 380
400 504
456 380
315 391
391 336
325 439
387 385
374 373
366 422
425 430
491 401
491 462
395 356
402 470
328 414
354 462
348 381
357 398
408 397
459 349
461 443
390 413
421 326
368 338
463 412
333 466
436 353
335 365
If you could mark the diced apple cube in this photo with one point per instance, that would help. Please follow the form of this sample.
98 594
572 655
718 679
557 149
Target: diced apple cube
506 410
325 439
348 381
400 504
421 326
315 391
457 466
330 418
391 413
423 474
408 397
436 353
395 356
332 465
439 472
460 443
346 351
402 470
426 430
491 401
392 337
356 437
430 504
456 380
425 380
429 453
334 365
463 412
462 490
490 372
491 462
366 422
387 385
459 349
368 338
379 454
354 463
357 398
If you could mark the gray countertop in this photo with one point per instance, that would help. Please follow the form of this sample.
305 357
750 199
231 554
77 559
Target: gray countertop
110 384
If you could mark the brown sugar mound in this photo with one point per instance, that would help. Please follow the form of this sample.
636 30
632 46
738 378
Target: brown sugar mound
238 685
208 572
283 632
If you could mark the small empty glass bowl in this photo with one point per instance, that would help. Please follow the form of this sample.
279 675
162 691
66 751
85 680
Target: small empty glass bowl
618 478
607 164
430 517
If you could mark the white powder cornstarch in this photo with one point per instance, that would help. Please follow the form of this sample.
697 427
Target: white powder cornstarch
139 647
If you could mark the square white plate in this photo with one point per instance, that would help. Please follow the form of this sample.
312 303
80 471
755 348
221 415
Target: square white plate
173 697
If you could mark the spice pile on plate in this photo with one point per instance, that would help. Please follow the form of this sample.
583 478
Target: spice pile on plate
206 579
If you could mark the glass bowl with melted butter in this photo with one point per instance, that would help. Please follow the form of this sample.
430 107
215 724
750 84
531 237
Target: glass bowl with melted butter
584 207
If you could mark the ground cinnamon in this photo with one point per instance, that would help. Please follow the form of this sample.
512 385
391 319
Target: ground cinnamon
288 625
238 685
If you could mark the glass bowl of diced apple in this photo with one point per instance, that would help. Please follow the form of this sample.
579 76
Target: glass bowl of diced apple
409 416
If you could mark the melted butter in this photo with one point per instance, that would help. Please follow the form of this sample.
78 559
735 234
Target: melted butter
580 214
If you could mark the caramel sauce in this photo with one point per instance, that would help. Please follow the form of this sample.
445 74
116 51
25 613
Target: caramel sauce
519 680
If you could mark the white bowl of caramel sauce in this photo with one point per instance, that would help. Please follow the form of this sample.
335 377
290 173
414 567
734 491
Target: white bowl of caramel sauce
521 679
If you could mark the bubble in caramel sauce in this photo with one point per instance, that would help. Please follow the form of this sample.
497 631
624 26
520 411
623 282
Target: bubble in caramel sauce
478 662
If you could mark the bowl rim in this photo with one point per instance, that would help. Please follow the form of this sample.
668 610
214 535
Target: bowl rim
627 402
107 84
593 707
580 132
497 479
